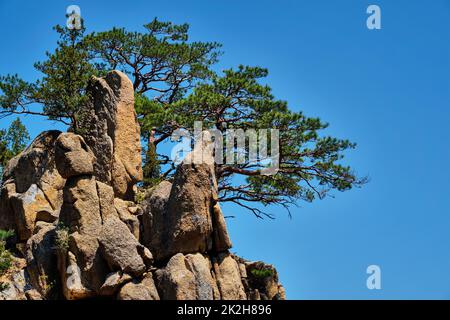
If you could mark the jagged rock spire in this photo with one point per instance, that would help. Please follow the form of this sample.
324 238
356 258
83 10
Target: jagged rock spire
111 129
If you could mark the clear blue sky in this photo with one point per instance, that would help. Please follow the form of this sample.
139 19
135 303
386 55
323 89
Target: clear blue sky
387 90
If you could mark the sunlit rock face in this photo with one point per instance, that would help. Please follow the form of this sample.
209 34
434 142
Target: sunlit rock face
32 190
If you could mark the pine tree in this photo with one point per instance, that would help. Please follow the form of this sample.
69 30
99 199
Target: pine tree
12 142
60 93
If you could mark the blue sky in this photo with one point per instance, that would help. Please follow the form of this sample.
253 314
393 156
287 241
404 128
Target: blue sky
388 90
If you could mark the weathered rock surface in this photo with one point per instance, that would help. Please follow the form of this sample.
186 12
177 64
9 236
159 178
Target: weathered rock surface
26 207
81 215
187 278
99 242
106 199
80 264
228 277
120 248
73 156
113 133
36 165
189 219
153 216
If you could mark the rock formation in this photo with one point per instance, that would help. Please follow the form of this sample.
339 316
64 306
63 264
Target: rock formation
113 133
79 233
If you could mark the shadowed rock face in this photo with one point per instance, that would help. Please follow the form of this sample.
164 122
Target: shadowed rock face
70 200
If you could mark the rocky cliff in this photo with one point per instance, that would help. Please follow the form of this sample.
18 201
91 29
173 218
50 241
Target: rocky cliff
80 234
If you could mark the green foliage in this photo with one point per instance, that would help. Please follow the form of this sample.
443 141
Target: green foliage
17 137
262 273
5 258
15 94
164 66
5 255
12 141
151 169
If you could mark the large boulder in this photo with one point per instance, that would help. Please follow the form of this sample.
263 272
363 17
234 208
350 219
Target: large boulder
128 212
228 277
206 286
261 280
33 188
113 133
113 282
41 260
189 219
73 284
139 290
73 156
81 209
26 207
36 165
187 278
